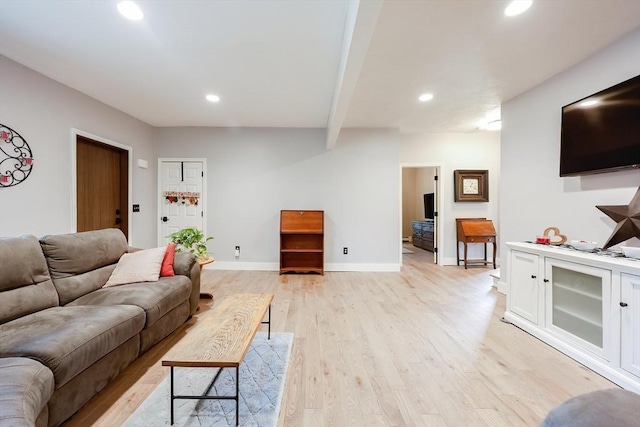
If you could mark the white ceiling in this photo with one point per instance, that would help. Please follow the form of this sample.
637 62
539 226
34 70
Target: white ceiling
278 63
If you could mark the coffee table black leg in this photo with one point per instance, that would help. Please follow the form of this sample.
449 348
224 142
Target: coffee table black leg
172 395
237 395
268 323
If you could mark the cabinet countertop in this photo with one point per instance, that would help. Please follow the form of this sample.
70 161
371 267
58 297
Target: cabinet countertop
589 258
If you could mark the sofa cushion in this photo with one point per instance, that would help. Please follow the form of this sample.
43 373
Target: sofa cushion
156 298
167 262
70 339
140 266
25 284
80 263
25 388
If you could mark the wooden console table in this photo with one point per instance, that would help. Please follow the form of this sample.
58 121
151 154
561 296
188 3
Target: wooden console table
475 230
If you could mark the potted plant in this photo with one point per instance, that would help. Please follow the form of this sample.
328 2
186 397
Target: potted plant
191 239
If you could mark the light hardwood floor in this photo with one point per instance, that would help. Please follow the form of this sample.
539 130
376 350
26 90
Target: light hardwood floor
423 347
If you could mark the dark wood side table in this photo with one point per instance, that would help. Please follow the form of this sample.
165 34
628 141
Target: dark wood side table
475 230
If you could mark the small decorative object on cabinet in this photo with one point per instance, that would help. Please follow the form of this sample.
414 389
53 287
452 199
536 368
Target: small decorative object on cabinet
471 185
301 241
422 234
585 305
625 216
475 230
555 238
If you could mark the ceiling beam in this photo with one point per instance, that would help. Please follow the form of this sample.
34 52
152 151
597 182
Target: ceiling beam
359 27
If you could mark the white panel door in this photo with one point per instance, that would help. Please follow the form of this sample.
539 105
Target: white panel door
181 197
630 328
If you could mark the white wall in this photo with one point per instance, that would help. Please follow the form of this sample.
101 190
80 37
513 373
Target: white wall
533 196
480 150
254 173
44 112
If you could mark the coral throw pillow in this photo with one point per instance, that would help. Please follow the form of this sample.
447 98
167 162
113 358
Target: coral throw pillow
167 263
141 266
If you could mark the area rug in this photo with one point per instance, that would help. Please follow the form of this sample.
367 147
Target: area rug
262 378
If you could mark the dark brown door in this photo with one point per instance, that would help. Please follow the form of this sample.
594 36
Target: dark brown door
102 186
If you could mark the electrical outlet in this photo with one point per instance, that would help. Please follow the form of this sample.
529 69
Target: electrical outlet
237 251
345 251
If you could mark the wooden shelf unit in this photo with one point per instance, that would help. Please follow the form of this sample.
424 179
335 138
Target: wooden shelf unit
301 241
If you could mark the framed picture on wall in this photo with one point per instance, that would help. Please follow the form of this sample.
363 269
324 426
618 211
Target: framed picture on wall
471 185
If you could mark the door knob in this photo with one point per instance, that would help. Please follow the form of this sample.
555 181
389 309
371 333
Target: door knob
117 211
165 219
623 304
118 220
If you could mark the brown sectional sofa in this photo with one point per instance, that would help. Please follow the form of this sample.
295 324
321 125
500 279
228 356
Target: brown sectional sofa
63 336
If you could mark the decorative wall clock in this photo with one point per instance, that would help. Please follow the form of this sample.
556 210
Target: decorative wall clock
471 185
16 159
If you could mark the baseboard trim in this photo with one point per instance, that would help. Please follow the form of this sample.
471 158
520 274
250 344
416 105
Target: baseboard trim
269 266
362 267
248 266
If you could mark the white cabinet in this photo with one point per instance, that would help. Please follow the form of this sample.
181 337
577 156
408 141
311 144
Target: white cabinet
630 323
585 305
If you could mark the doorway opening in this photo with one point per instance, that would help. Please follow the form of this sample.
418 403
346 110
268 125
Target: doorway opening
101 184
420 217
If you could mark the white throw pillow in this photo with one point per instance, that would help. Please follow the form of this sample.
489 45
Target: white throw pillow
141 266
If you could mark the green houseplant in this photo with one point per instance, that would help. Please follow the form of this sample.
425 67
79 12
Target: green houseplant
191 239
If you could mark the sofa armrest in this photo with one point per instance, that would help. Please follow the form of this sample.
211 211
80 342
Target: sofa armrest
185 264
25 388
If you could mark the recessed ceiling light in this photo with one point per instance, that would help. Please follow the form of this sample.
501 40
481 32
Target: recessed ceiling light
212 98
425 97
130 10
589 103
516 7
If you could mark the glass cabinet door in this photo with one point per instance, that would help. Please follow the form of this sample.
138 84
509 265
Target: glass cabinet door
578 303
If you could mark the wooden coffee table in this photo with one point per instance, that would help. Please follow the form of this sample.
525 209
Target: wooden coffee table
221 340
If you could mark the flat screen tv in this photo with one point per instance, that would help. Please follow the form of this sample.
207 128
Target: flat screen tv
601 132
429 205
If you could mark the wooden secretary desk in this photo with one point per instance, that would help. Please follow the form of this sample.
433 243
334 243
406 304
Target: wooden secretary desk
475 230
301 241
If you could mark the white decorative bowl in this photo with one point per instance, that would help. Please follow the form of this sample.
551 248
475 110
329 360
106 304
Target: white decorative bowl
631 251
583 245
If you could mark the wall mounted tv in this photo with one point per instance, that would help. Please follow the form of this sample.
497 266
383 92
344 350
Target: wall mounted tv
601 132
429 205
